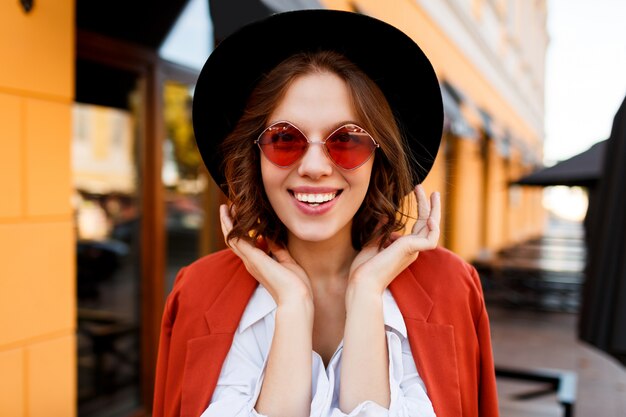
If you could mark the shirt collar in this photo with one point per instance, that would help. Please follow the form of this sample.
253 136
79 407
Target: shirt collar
262 304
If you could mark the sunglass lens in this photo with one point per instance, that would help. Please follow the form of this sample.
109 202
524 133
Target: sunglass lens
283 144
350 146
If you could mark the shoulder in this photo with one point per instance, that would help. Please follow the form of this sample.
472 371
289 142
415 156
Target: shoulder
209 270
200 283
445 275
443 261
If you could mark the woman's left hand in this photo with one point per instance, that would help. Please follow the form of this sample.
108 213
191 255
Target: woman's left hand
375 269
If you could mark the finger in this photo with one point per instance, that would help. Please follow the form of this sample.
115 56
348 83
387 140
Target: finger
428 237
427 226
421 228
280 253
433 234
435 208
235 245
232 210
423 205
226 214
246 249
226 222
227 225
415 244
425 235
423 212
257 262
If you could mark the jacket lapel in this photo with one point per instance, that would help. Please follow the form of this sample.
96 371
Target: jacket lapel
205 355
203 364
432 345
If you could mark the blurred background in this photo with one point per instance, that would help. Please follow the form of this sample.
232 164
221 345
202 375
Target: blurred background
104 196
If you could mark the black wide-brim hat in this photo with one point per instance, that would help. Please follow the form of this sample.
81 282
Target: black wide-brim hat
388 56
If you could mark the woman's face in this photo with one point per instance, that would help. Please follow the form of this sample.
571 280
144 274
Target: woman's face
317 104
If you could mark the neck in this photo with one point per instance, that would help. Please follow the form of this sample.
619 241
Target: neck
326 262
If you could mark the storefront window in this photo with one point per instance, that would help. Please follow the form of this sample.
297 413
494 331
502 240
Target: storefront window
107 219
185 181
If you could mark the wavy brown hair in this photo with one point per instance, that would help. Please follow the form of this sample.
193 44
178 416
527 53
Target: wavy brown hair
381 212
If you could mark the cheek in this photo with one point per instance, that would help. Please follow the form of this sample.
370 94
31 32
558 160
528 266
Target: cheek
264 175
364 179
272 178
362 194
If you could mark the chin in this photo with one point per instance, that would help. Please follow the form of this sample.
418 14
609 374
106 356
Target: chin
318 233
312 235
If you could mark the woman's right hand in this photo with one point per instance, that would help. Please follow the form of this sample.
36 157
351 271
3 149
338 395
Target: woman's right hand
281 276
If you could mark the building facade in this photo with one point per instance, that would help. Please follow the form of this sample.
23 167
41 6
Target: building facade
490 57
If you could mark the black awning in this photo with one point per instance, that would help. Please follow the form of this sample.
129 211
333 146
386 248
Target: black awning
603 315
583 170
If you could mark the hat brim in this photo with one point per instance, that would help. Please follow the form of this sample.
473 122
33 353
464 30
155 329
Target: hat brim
387 55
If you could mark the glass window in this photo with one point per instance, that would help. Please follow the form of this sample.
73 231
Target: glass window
107 219
184 180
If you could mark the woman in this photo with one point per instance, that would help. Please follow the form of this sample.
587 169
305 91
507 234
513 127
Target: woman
320 306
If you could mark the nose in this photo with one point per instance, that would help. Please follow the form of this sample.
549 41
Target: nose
315 163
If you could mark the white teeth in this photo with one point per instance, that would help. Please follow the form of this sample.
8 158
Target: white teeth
314 198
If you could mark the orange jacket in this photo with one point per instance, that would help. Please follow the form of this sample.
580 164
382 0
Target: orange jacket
440 298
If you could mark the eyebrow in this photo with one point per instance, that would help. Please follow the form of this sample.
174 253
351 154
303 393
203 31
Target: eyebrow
345 122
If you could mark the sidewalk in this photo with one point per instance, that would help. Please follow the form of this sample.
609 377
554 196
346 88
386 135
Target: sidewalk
531 339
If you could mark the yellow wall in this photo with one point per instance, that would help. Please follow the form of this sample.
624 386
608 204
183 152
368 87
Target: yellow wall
515 206
37 297
466 198
496 194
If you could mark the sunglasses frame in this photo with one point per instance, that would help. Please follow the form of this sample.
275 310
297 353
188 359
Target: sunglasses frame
323 143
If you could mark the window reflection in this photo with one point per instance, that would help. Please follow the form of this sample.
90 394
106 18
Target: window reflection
107 215
185 182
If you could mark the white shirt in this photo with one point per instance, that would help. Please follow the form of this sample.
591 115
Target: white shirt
240 381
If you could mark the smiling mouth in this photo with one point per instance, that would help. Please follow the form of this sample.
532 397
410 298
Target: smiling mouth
315 199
